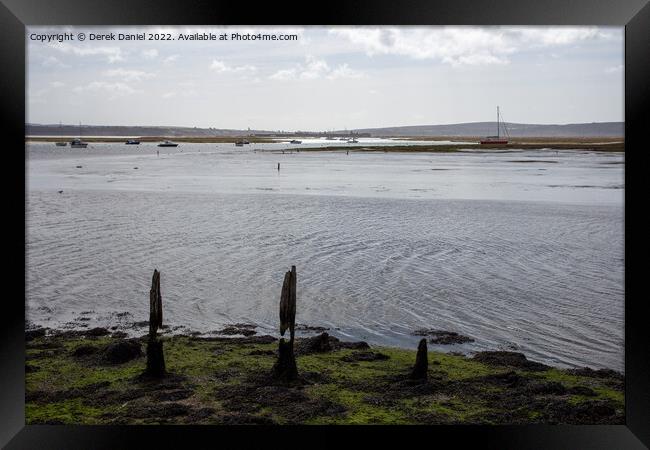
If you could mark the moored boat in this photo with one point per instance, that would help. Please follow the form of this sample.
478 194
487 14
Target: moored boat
492 140
168 144
78 143
61 144
132 142
295 141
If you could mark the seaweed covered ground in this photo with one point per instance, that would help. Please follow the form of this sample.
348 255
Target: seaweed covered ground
94 377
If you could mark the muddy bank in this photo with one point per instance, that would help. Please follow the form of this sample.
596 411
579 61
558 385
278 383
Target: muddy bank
96 378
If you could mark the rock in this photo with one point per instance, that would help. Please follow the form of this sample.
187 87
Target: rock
582 390
84 350
237 329
510 359
122 351
325 343
98 331
30 335
441 337
510 379
600 373
361 345
316 344
303 327
550 388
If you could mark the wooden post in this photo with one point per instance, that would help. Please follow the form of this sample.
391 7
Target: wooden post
421 362
155 356
155 305
285 367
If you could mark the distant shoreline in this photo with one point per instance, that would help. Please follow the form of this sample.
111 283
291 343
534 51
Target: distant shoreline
617 147
605 144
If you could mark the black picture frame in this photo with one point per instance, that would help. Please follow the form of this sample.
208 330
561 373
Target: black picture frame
16 14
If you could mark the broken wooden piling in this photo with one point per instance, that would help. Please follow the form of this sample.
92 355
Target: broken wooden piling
421 367
285 367
155 356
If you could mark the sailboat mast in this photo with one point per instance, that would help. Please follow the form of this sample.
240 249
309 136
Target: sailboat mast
497 121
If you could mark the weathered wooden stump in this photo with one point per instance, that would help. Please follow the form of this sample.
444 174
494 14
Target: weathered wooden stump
288 303
155 304
421 367
155 356
285 367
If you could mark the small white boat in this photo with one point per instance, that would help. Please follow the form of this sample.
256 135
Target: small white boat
132 142
168 144
78 143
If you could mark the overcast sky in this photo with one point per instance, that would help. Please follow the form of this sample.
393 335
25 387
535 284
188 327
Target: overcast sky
330 78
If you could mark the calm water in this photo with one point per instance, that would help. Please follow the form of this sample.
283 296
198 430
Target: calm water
519 250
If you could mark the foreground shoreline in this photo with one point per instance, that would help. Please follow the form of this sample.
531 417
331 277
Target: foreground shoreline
95 377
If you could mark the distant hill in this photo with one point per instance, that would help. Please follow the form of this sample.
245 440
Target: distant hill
596 129
33 129
599 129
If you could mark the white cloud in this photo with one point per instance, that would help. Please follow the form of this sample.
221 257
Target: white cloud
150 54
52 61
615 69
315 68
112 54
462 45
169 59
545 37
129 75
115 89
284 75
169 94
344 71
57 84
222 67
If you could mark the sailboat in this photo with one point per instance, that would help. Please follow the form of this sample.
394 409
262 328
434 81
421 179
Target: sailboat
496 139
61 143
78 143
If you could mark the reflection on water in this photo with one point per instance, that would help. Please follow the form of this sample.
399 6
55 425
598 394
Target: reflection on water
518 255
